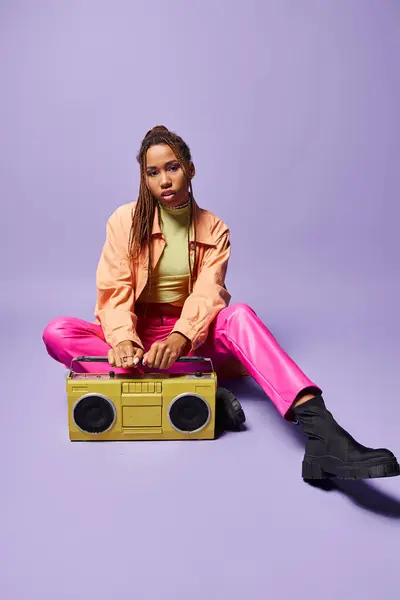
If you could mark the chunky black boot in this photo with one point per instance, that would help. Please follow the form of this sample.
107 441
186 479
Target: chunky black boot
229 412
332 452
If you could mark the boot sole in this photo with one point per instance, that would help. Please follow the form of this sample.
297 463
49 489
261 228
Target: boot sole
327 467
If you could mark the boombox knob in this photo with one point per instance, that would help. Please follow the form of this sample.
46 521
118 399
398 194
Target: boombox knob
198 373
112 374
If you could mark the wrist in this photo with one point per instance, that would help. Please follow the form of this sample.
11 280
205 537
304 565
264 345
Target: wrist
177 335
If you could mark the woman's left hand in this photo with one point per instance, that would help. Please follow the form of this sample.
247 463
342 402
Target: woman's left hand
163 354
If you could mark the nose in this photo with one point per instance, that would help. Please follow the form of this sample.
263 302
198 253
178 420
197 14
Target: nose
165 180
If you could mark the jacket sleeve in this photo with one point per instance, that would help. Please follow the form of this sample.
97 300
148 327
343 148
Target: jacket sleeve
209 295
115 287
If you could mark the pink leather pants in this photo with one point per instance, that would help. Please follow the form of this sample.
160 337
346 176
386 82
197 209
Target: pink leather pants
238 344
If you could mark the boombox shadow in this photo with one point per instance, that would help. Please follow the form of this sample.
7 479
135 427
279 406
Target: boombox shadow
361 493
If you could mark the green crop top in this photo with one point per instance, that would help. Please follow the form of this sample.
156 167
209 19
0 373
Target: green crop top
170 278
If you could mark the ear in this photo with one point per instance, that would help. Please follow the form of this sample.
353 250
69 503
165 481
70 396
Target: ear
192 170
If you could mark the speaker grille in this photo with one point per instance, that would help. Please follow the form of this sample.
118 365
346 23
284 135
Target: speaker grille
189 413
94 413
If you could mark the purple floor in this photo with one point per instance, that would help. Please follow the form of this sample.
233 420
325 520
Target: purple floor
291 110
227 518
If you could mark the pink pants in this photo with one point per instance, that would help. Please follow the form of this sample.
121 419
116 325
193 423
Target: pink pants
238 343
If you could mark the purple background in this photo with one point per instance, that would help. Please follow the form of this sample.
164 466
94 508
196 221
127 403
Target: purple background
291 111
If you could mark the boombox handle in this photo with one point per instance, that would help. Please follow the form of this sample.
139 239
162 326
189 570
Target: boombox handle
182 359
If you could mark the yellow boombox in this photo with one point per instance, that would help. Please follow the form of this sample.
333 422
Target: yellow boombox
149 406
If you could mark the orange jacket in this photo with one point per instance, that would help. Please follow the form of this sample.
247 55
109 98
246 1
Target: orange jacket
119 283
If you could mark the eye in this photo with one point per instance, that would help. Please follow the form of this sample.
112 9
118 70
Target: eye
174 167
151 173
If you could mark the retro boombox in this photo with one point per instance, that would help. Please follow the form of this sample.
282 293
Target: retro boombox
148 406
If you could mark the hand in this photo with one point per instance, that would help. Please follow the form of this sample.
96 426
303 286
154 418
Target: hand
125 354
163 354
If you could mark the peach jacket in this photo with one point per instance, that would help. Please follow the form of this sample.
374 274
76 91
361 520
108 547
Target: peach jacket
119 282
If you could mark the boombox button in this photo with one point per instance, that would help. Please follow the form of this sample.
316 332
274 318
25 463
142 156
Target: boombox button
198 373
112 374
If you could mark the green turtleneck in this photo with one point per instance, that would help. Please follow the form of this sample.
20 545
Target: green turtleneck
170 278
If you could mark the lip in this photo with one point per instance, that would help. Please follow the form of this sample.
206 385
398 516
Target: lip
169 193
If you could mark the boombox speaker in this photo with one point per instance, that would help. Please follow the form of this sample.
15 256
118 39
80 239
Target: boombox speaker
146 406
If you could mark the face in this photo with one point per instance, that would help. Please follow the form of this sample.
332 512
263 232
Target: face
165 177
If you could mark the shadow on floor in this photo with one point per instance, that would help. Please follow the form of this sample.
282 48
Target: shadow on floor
361 493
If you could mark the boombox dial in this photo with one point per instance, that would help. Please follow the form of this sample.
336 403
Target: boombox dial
189 413
94 413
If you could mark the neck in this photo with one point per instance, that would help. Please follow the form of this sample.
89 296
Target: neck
182 205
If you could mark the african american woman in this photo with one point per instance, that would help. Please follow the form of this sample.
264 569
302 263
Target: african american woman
161 295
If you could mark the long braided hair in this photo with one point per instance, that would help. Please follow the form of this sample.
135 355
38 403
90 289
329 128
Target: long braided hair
142 221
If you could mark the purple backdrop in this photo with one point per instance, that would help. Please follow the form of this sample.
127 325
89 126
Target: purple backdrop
291 110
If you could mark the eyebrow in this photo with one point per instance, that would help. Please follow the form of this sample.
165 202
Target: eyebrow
166 164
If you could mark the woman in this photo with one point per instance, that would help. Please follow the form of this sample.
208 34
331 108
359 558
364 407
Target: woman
161 295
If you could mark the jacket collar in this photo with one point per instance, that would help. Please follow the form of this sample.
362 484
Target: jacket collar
202 231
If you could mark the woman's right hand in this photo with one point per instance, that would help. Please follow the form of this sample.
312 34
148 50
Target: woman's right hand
124 354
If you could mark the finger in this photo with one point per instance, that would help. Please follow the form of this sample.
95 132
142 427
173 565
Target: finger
151 354
166 359
111 357
138 356
159 357
118 357
124 351
152 359
130 354
128 361
172 359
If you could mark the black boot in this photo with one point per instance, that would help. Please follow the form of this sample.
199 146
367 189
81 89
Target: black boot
229 412
332 452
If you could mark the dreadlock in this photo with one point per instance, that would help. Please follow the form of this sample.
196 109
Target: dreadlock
142 221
